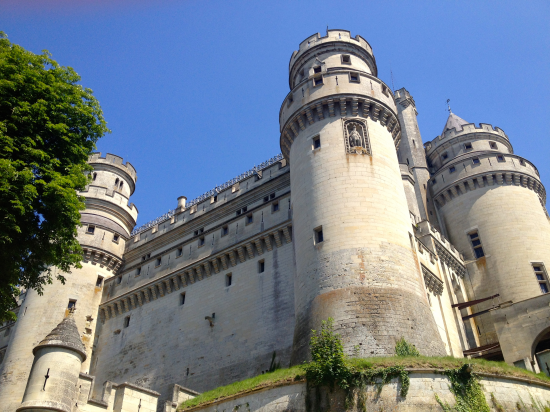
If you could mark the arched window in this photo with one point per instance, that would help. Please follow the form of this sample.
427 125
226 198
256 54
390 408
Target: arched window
116 182
94 176
121 183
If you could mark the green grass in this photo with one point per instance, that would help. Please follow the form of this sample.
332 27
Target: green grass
267 379
296 373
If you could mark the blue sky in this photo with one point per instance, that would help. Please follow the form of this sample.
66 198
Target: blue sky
192 89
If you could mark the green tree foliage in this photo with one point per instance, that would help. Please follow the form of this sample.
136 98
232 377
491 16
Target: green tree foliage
328 361
404 348
49 125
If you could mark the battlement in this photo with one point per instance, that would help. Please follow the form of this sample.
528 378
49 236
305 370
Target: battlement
466 129
333 36
114 160
403 94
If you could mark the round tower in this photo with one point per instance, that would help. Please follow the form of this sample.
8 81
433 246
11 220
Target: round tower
52 384
491 204
352 231
107 223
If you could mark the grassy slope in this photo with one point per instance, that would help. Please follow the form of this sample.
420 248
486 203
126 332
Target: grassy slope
296 373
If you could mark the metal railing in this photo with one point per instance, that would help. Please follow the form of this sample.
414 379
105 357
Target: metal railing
210 193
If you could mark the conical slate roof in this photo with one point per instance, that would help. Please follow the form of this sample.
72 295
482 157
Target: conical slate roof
453 121
64 335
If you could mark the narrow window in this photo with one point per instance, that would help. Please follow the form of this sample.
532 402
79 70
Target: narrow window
90 230
225 230
261 266
158 262
275 207
249 218
500 158
138 272
99 281
318 81
468 146
115 238
214 199
94 176
316 142
144 257
116 182
127 321
445 156
244 209
542 278
429 298
201 241
522 162
179 252
493 145
434 181
228 279
354 77
318 234
118 280
476 160
272 196
476 244
182 298
72 304
346 59
121 184
414 143
452 169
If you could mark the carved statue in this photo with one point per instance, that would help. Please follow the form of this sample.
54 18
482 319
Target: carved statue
354 137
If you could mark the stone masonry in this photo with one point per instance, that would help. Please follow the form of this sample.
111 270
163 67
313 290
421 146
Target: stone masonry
444 243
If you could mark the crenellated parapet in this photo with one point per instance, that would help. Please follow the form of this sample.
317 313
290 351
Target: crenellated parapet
334 41
453 143
114 161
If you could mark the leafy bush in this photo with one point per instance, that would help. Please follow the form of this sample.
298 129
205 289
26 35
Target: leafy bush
328 364
404 348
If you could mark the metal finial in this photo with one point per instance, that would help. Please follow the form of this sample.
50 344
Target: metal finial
449 106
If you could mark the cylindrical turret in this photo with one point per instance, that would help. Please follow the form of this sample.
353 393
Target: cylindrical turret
52 384
491 203
352 230
411 152
106 225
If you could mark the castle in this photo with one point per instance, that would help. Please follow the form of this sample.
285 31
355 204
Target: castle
443 243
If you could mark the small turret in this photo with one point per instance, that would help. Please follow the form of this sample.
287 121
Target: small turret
54 375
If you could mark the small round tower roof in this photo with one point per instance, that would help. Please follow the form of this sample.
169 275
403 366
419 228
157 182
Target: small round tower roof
64 335
453 122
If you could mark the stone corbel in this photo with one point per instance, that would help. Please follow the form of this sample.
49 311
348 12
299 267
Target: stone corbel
259 248
343 107
168 287
301 122
268 245
354 106
366 108
277 238
240 251
331 107
214 263
286 232
250 250
319 109
308 114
